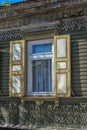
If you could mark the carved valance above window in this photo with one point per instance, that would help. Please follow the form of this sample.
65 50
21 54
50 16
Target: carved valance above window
72 24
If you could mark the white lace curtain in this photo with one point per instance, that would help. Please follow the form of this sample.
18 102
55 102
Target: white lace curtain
42 75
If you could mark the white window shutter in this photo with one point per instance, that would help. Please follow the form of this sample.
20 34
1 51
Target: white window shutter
17 68
62 71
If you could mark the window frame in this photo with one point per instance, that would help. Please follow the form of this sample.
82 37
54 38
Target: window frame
38 99
30 57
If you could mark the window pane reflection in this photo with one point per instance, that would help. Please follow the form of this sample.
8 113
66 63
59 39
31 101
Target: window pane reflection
61 48
42 75
16 84
16 52
41 48
61 78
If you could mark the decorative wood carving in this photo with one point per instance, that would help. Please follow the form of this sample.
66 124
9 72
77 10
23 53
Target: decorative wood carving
39 102
73 24
47 16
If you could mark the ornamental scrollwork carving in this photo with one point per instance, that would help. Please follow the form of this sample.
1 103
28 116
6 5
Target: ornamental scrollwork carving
74 25
39 102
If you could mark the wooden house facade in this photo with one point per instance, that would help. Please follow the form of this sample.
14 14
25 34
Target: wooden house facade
43 64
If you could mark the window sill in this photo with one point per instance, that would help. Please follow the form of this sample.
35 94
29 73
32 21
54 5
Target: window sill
33 98
41 99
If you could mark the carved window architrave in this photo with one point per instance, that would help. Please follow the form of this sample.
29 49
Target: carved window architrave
38 99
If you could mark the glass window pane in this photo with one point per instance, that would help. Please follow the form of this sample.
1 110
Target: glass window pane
41 48
16 84
61 78
16 52
42 75
61 48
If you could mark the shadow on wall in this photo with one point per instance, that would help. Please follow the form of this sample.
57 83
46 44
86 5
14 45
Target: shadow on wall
4 69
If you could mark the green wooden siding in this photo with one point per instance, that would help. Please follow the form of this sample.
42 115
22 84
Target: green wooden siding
4 68
79 63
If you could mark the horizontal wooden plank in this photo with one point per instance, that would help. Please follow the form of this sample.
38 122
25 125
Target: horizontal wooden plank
80 94
79 74
4 69
79 37
77 47
5 78
79 62
5 94
77 58
2 46
79 81
76 51
80 89
7 41
5 59
78 44
79 66
78 33
5 88
4 55
78 70
4 72
79 77
78 85
5 66
6 62
5 84
80 54
6 75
